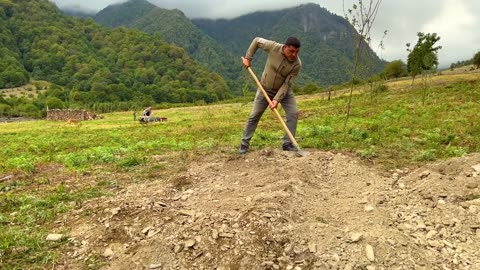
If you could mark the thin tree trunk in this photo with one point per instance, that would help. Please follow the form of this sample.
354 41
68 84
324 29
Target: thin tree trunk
355 66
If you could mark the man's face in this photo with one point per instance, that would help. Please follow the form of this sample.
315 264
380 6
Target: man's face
290 52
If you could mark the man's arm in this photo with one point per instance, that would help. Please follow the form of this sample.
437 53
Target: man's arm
257 42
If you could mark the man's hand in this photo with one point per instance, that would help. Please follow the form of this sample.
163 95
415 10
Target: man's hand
246 62
274 104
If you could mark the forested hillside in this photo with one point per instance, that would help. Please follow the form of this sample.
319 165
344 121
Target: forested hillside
93 64
327 40
327 50
90 64
174 27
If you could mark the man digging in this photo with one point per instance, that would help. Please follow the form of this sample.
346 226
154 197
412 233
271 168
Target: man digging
281 68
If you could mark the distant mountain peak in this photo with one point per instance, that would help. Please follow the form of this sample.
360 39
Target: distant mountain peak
122 14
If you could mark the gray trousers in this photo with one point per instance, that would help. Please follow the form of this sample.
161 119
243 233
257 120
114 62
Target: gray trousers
260 104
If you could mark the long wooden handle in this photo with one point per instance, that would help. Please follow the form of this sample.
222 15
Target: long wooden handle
290 135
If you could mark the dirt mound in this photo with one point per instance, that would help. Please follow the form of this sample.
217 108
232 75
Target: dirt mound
272 210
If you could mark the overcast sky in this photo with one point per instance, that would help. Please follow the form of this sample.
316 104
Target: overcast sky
455 21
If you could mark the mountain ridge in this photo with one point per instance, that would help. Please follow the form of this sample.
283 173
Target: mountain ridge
327 39
174 27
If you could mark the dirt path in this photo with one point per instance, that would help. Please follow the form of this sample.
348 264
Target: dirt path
272 210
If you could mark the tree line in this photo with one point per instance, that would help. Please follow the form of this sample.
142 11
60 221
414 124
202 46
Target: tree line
91 64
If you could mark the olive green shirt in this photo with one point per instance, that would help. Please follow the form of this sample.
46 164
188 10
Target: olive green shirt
279 72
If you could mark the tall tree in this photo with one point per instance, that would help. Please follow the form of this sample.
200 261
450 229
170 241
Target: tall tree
476 60
395 69
361 18
424 55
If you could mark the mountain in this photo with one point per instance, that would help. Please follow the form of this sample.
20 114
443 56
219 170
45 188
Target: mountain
124 14
84 14
94 64
327 40
174 27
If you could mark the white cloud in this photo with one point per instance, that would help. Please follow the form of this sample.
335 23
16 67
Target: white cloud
455 25
91 5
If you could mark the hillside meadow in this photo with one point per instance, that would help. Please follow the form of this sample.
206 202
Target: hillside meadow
48 168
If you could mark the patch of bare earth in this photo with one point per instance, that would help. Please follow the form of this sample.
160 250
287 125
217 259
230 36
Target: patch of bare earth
272 210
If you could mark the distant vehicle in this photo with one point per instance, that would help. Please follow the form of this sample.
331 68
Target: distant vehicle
151 119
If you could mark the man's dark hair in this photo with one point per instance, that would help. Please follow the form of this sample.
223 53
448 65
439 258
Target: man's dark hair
293 41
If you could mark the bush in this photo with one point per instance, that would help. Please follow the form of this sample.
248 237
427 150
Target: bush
54 103
29 110
380 88
476 60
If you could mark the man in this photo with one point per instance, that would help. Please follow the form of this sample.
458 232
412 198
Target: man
147 111
281 68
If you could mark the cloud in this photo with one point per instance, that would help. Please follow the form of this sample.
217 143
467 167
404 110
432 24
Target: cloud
228 9
90 5
455 24
402 22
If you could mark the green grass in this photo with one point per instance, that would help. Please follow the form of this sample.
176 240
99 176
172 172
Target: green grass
394 128
56 165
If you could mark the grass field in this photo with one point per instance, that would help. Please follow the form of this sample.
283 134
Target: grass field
383 126
28 91
48 168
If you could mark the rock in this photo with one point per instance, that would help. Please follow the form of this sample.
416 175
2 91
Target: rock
424 174
227 235
421 225
108 253
369 252
54 237
155 266
115 211
476 167
214 234
431 234
312 247
363 201
298 250
355 237
197 254
472 185
190 243
178 248
151 233
268 263
404 227
348 266
184 212
435 244
162 204
146 230
448 244
369 208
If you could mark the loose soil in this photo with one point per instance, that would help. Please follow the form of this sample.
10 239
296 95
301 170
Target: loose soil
273 210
